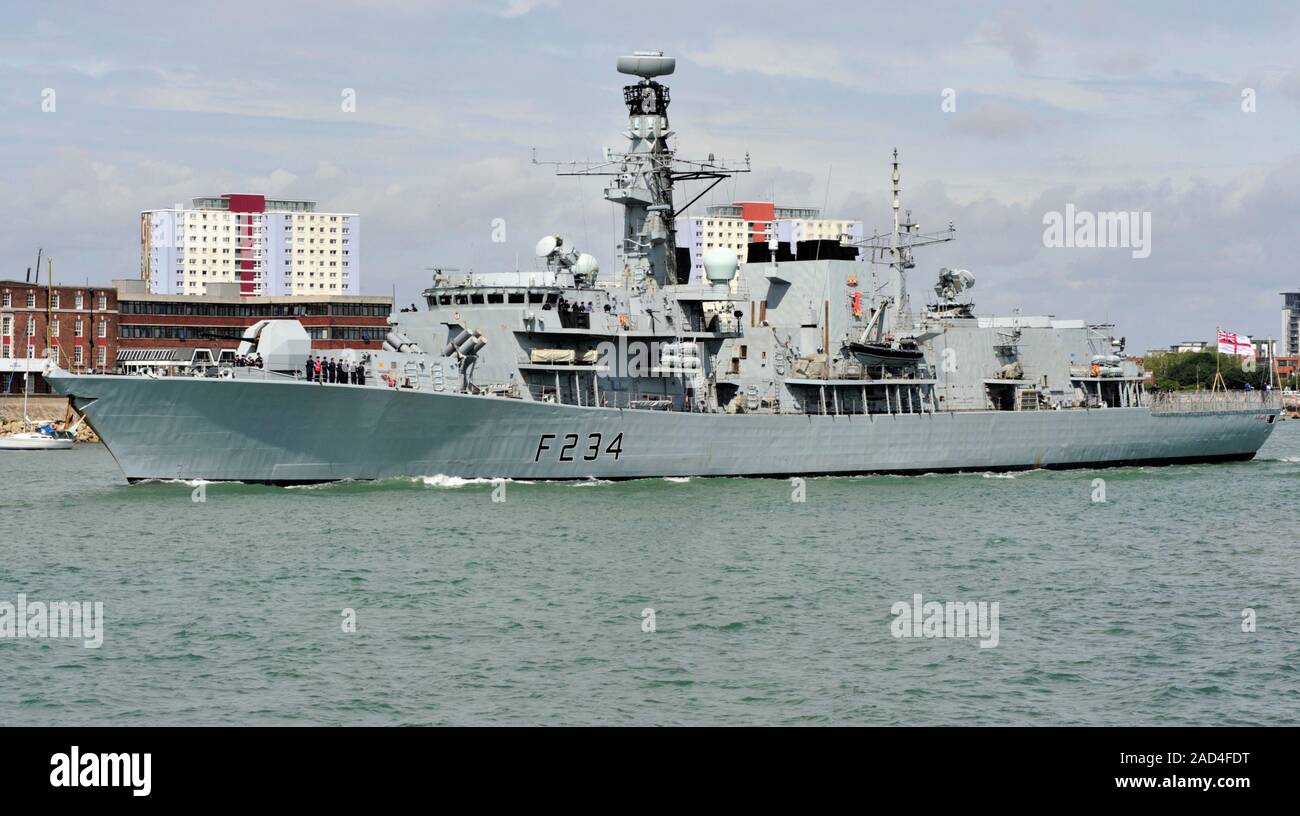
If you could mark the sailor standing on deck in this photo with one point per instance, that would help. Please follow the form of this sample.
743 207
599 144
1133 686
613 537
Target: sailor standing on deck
307 370
316 369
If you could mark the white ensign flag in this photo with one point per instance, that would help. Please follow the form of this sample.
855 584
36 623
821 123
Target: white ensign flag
1236 344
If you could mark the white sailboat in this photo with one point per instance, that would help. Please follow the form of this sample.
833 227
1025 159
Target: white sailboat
42 436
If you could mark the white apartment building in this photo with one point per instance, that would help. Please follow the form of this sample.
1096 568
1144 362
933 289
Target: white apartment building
735 226
268 246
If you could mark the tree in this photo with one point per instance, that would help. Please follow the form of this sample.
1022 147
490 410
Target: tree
1195 369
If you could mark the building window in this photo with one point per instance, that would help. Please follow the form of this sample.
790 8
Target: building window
31 300
103 301
54 300
8 300
101 357
78 328
78 356
80 302
103 329
54 327
54 355
31 327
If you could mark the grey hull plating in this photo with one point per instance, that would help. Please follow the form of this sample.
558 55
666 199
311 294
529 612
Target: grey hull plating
297 432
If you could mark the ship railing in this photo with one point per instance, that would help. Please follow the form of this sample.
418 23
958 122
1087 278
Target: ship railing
633 400
1208 402
263 374
227 371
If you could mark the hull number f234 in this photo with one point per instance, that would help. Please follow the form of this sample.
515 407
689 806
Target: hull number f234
572 447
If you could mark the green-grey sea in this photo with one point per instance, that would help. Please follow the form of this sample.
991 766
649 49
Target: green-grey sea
523 604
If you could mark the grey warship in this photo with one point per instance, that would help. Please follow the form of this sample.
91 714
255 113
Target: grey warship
781 366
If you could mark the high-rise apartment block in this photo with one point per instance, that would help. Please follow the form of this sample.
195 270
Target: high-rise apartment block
267 246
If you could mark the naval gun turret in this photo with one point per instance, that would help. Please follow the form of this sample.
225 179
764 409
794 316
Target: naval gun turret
281 345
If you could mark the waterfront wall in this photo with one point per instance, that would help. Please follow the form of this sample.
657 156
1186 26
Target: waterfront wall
42 407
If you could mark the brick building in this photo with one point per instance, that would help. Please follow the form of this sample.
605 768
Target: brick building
176 331
77 324
125 328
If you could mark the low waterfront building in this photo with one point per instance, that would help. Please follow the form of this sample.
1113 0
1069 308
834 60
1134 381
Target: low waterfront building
1287 365
124 326
76 326
177 331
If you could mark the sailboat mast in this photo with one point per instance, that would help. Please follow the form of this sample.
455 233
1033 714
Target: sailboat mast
49 297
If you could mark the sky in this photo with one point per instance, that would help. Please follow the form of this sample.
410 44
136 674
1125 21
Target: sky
1102 106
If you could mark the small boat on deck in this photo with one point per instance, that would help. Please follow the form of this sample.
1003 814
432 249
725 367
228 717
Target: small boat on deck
877 354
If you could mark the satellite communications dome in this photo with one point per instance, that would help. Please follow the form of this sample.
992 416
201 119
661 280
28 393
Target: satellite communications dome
720 265
547 245
586 266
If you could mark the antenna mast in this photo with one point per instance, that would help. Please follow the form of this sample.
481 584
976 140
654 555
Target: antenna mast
894 249
642 178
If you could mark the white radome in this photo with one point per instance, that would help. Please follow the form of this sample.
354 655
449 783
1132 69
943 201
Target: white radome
720 265
586 265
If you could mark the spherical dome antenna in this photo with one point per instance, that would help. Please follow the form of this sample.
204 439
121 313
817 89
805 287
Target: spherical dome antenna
586 266
720 265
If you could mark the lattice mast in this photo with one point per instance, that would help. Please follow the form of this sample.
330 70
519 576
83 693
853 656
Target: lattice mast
643 177
894 249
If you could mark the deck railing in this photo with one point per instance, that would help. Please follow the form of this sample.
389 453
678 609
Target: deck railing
1207 402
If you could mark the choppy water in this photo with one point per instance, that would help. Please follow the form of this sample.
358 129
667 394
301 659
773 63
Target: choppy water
766 610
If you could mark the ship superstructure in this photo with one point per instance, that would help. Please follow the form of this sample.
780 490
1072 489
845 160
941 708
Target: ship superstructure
800 361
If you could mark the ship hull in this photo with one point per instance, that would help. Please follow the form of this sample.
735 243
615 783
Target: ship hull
288 432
